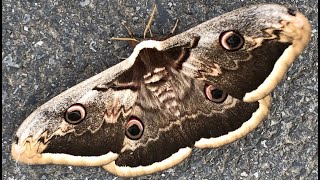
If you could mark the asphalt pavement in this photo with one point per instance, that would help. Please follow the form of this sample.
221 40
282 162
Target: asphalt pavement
49 46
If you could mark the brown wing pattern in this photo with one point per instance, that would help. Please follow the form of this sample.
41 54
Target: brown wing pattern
205 87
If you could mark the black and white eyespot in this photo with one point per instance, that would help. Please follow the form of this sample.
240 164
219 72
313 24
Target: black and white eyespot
214 94
134 128
75 114
231 40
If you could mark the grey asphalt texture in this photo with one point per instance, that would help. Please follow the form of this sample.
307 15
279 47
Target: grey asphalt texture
49 46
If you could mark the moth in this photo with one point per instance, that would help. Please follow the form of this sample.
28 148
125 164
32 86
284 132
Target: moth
203 88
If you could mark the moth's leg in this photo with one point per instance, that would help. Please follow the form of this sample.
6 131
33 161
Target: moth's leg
132 41
172 32
128 31
154 10
149 25
174 27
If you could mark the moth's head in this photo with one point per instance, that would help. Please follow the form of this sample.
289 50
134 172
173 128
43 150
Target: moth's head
62 130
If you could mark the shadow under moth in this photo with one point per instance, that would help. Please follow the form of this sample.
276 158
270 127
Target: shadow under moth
203 88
